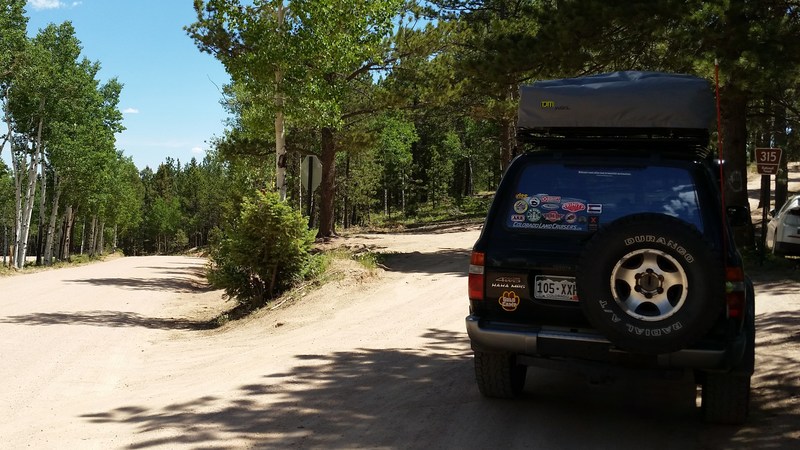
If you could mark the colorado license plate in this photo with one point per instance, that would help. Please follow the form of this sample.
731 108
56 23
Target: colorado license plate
547 287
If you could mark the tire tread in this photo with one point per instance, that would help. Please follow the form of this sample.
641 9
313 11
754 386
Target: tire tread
726 398
498 375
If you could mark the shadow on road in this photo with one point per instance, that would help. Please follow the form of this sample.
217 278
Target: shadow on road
774 420
426 398
441 262
176 284
113 319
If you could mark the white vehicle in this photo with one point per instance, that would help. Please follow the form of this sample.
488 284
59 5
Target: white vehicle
783 231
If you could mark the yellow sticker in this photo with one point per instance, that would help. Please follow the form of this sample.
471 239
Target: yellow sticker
509 301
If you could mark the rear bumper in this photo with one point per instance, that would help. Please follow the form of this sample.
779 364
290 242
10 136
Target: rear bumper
787 248
589 346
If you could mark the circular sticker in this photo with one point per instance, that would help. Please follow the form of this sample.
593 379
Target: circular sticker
534 201
534 215
520 206
509 301
571 218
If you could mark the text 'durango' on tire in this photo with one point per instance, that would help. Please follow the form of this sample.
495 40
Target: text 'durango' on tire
650 283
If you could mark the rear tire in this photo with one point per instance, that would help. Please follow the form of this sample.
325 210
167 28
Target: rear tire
498 375
726 396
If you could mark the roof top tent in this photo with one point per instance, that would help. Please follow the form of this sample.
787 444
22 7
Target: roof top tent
617 108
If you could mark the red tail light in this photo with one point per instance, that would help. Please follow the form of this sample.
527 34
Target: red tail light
476 277
735 291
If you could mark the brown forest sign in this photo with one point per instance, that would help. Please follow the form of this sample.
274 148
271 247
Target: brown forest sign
768 160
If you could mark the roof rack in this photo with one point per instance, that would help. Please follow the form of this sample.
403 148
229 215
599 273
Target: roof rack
679 141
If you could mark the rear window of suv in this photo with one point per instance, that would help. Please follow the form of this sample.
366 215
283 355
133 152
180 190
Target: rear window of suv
579 198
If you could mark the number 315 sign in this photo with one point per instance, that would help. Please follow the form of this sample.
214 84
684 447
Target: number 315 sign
768 160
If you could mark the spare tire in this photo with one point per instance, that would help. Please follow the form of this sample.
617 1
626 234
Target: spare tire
650 283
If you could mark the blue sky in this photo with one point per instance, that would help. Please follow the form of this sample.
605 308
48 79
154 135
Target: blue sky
170 97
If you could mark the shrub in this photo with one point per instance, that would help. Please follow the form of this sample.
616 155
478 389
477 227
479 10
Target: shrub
265 252
180 241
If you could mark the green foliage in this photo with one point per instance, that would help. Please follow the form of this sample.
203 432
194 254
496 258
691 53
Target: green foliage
396 136
12 40
126 199
264 253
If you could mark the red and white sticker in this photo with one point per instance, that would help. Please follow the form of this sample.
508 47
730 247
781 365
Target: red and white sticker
573 207
551 198
518 218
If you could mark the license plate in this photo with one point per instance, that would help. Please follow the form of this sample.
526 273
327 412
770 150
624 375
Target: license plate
548 287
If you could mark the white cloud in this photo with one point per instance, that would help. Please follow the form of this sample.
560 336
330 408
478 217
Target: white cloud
130 111
52 4
45 4
197 150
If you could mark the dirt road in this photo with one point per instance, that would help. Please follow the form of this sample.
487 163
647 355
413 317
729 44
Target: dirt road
109 356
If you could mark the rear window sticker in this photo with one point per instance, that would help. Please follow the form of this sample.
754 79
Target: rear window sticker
573 207
520 206
534 215
551 212
509 301
594 208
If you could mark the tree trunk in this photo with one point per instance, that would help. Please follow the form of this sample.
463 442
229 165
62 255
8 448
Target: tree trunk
100 239
346 202
18 169
328 184
51 227
506 138
734 135
280 136
24 219
40 241
83 236
508 130
280 151
468 179
91 236
780 141
114 243
403 193
69 222
7 117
